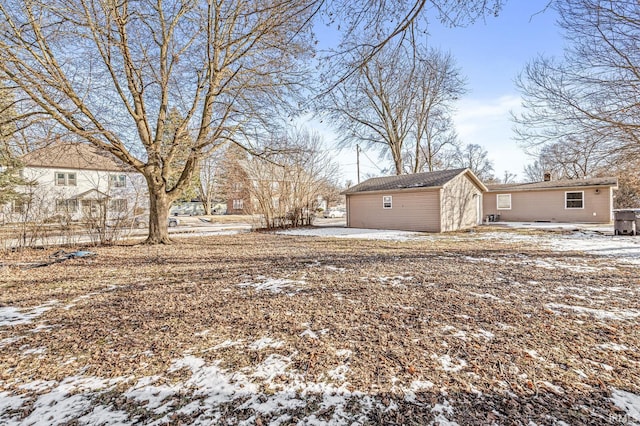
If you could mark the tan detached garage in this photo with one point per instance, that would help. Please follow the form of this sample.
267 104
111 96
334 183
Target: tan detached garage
440 201
579 200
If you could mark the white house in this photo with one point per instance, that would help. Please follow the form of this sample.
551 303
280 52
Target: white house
76 181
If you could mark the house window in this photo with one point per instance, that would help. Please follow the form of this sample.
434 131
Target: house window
20 206
118 181
92 207
504 201
387 202
65 179
67 206
118 205
238 204
574 200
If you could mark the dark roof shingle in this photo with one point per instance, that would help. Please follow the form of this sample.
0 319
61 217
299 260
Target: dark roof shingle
565 183
417 180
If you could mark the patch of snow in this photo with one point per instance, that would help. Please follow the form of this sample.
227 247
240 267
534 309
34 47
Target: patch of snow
335 268
228 344
484 334
265 342
41 327
553 388
395 280
624 249
440 410
628 402
551 264
581 373
343 353
617 314
339 373
10 340
274 285
67 401
11 316
366 234
460 335
612 346
39 385
35 351
415 386
152 395
210 389
450 365
104 416
9 402
486 296
309 333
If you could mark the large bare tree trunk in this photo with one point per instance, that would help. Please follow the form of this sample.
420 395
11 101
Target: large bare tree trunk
158 217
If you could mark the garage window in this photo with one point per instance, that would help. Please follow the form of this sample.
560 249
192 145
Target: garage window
574 200
504 201
387 202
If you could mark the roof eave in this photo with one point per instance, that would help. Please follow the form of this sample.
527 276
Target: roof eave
381 191
597 185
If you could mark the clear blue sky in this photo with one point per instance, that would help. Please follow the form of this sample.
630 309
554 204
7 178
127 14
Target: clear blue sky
490 53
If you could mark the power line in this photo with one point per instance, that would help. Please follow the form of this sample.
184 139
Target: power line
372 162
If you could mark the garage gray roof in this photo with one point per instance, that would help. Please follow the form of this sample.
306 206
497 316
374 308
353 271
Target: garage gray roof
566 183
417 180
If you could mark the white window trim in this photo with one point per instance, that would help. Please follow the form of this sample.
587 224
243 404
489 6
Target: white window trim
384 202
498 202
118 180
66 179
573 208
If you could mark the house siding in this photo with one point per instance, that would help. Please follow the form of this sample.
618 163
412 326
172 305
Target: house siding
411 210
461 204
549 205
45 193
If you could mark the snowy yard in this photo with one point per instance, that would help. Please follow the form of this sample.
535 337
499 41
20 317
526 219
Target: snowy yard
327 326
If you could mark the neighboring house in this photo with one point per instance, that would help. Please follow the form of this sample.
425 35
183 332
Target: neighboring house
440 201
239 198
577 200
75 181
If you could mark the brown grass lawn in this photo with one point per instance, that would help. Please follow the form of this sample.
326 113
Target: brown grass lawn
464 329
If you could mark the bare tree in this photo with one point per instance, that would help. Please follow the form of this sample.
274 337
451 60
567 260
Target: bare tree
10 165
592 94
439 84
288 186
210 184
369 26
509 177
400 102
476 158
110 72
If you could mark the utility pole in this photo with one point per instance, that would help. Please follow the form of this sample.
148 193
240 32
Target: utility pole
358 160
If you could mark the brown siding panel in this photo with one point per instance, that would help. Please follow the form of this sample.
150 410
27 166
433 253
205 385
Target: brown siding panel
461 200
411 211
549 206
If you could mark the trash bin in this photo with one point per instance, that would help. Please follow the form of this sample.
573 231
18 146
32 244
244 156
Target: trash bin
626 222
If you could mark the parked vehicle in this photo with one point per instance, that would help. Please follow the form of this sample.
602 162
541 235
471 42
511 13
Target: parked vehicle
187 209
143 222
333 213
